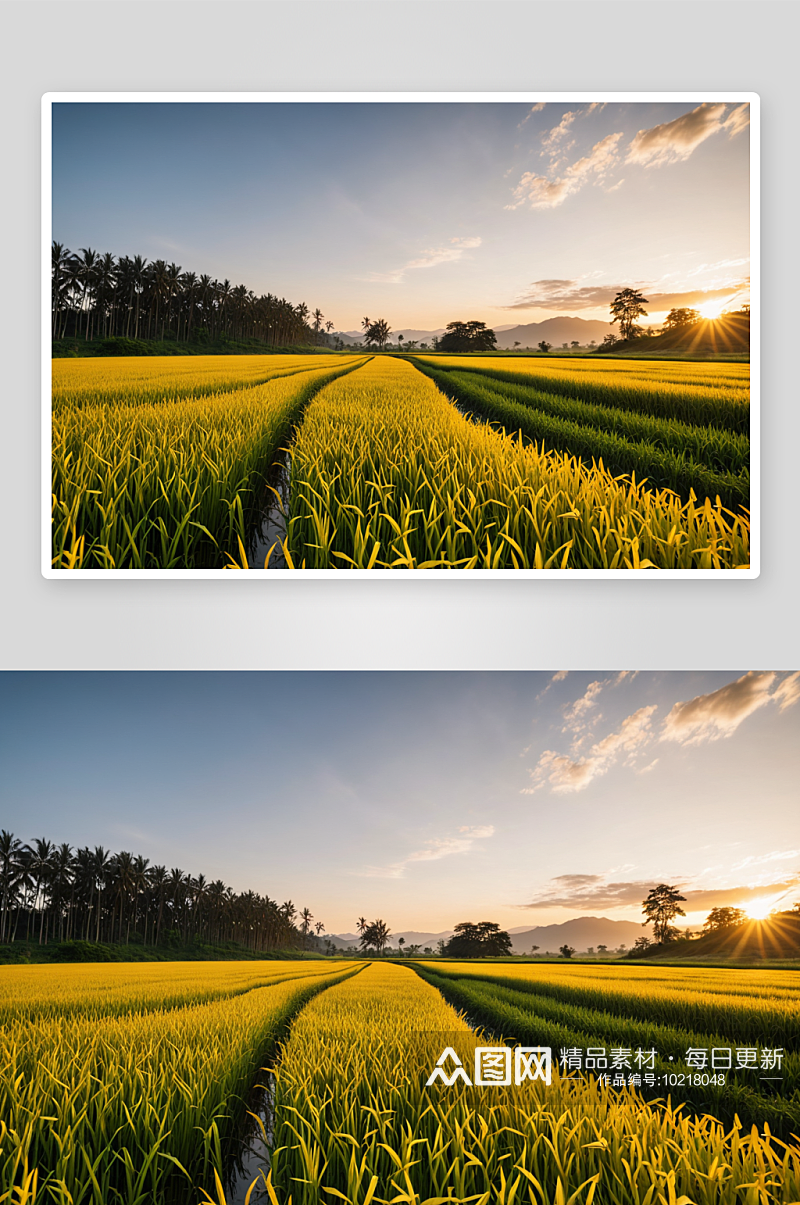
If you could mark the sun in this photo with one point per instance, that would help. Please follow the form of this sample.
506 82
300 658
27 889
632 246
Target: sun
711 309
760 909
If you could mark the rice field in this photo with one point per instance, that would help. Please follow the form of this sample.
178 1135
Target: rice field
421 462
107 1097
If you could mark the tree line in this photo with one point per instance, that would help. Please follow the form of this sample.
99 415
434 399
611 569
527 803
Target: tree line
99 296
54 893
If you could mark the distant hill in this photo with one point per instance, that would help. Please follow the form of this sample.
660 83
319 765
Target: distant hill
347 941
555 331
582 933
730 333
406 332
776 937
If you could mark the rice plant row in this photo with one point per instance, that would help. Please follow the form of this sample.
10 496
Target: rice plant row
668 453
133 381
134 1109
355 1121
725 403
153 486
386 474
685 1004
94 990
536 1019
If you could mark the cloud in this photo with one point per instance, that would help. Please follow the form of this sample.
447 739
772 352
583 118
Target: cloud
575 713
590 891
777 855
572 295
543 193
565 774
674 141
719 714
429 259
433 851
787 691
593 891
536 109
551 139
558 676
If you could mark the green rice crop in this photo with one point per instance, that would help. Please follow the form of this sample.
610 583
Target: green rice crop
719 398
387 474
535 1018
147 485
668 453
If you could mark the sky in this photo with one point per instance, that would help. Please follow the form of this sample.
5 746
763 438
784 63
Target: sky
425 798
420 213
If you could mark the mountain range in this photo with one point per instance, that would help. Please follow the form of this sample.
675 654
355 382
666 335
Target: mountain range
555 331
583 933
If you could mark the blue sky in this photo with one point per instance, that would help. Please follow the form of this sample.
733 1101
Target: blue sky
420 213
425 798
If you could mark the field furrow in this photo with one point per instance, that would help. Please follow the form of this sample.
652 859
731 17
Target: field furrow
669 454
386 474
153 486
134 1109
354 1120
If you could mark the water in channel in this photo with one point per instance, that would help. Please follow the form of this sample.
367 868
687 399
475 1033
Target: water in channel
270 531
254 1153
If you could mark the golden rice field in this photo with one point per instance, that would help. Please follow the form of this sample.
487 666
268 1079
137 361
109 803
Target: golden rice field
115 1099
421 462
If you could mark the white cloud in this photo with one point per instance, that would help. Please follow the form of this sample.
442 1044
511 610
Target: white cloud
433 851
674 141
544 193
712 716
787 692
565 774
429 259
575 714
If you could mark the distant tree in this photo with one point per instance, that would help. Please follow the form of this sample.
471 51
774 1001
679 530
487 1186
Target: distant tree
306 918
641 944
682 317
516 342
662 905
467 336
544 346
375 936
401 941
593 343
627 306
609 341
724 918
602 949
566 951
534 949
423 346
378 332
564 346
414 950
482 940
428 950
574 343
590 950
400 342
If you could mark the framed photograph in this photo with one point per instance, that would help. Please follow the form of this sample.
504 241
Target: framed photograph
501 334
484 932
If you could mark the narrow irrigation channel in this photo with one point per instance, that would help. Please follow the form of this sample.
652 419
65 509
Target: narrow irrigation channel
254 1155
269 531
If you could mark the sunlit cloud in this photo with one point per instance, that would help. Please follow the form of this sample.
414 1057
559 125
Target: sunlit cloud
429 259
574 295
565 775
713 716
674 141
596 891
576 712
432 851
543 193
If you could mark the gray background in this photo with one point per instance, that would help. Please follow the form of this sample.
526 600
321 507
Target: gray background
408 45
